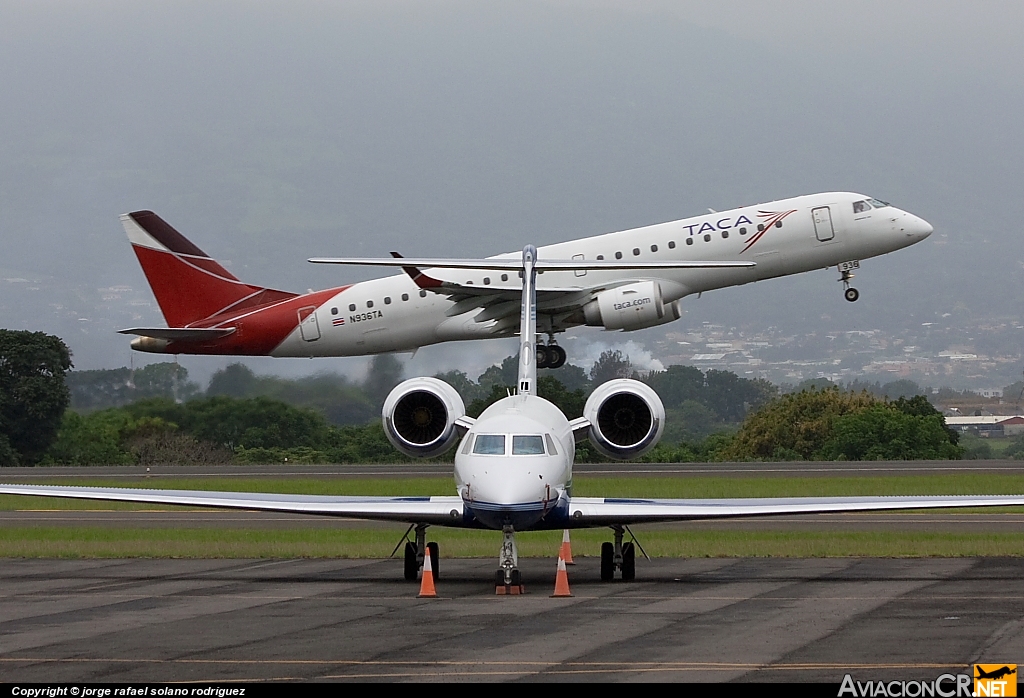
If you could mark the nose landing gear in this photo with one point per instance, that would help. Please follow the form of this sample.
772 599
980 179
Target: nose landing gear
845 274
507 579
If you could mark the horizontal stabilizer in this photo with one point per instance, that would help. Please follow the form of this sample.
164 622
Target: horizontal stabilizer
180 334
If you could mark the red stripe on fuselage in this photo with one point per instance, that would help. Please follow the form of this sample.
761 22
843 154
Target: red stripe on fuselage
258 330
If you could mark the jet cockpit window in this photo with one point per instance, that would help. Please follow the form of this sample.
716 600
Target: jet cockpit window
551 445
527 445
861 207
489 445
878 204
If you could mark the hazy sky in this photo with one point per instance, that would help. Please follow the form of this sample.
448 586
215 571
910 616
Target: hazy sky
272 132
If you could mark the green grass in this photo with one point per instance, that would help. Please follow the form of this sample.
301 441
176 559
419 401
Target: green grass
98 541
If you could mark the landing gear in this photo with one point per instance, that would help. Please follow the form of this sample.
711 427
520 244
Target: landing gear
415 552
619 556
550 355
845 274
507 579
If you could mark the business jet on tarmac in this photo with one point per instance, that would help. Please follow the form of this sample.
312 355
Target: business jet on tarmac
209 311
513 464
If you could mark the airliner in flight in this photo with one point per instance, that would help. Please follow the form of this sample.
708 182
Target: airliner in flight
209 311
513 464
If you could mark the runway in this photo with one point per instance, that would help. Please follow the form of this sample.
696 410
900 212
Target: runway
695 620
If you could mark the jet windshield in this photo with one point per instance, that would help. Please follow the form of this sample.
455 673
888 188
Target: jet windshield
527 445
490 445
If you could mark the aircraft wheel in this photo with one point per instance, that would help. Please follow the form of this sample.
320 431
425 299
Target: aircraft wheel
607 562
517 578
435 556
412 567
499 578
851 294
559 356
543 356
628 562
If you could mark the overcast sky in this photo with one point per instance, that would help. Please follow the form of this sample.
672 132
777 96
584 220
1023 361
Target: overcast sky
272 132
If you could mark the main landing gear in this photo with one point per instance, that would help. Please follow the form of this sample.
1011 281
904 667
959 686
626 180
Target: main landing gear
620 556
845 274
550 355
507 579
415 553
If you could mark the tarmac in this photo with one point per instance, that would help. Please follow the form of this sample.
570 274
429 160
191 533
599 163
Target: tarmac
714 620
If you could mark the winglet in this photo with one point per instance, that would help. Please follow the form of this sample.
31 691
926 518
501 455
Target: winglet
418 277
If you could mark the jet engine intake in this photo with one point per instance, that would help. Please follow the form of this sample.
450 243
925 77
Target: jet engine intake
626 418
630 307
419 416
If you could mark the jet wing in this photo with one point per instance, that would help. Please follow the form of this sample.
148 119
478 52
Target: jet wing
597 511
445 511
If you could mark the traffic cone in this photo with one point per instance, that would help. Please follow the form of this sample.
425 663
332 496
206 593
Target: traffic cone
566 551
561 580
427 590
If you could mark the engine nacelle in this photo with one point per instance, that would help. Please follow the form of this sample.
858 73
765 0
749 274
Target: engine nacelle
419 416
631 307
626 418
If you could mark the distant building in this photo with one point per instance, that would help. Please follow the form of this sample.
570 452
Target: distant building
988 425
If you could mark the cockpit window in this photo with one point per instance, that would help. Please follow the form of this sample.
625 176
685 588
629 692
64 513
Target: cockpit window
490 445
551 445
878 203
861 207
527 445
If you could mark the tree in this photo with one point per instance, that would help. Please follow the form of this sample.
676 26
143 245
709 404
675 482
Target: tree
883 432
234 380
610 365
384 374
33 394
794 426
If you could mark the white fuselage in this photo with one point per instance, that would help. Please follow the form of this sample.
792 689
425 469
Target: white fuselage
514 467
802 234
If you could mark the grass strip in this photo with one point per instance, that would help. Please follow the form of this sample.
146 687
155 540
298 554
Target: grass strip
97 542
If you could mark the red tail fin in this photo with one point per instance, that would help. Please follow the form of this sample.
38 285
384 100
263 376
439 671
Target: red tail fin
188 285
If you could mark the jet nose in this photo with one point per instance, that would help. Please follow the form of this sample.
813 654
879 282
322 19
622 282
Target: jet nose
917 228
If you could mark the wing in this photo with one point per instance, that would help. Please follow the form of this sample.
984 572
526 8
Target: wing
179 333
598 511
439 511
501 302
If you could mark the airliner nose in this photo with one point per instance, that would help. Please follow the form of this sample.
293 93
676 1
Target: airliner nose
915 227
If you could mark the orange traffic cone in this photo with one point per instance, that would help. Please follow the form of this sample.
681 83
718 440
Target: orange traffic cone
566 551
561 580
427 590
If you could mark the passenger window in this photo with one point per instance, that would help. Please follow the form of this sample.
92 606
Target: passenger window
636 251
352 307
487 281
707 237
600 256
778 224
725 234
654 248
527 446
671 244
334 311
369 304
504 277
423 294
760 227
618 255
405 296
490 445
743 231
689 241
861 207
387 300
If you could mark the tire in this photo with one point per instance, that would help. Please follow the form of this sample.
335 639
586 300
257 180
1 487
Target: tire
559 356
412 567
628 562
607 562
499 578
435 557
851 294
543 356
517 578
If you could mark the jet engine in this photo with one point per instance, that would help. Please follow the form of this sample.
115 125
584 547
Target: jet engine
419 416
626 418
630 307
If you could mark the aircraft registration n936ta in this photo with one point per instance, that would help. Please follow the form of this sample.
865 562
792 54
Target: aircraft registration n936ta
513 464
648 271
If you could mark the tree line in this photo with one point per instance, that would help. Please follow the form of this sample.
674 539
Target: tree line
156 415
